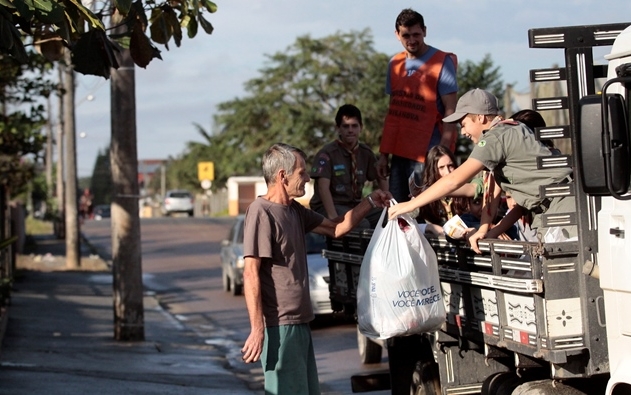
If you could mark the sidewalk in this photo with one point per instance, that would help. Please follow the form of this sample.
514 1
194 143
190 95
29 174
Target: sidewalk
59 337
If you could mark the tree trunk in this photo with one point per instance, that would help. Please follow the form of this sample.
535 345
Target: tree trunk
73 256
126 252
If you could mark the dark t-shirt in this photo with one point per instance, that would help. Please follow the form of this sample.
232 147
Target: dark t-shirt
334 163
275 233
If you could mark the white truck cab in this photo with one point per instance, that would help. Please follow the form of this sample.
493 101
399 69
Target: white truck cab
614 248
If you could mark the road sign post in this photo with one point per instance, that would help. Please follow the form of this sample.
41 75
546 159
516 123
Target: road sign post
206 184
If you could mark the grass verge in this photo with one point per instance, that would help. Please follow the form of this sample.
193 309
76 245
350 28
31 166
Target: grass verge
38 227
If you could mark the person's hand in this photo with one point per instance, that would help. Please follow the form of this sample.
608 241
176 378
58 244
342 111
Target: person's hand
382 166
253 346
400 208
473 240
381 198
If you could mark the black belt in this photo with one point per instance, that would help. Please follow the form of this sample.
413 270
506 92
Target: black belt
542 207
545 203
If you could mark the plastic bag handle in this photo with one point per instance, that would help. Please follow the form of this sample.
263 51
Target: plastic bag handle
405 217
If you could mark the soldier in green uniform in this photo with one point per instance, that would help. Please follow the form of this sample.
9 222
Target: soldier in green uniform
509 150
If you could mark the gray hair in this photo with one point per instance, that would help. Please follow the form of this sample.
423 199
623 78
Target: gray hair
279 157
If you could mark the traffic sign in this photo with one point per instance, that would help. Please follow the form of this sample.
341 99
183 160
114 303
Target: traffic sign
206 171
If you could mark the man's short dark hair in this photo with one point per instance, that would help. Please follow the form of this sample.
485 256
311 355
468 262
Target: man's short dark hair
408 18
348 111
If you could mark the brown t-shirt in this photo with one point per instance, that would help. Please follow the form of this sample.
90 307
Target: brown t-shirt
275 233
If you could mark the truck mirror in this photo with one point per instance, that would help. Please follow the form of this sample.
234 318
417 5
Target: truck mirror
594 144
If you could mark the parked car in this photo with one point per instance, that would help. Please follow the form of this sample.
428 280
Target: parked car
178 201
318 274
232 263
232 259
102 211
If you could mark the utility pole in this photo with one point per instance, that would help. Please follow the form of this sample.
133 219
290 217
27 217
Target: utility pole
73 256
163 180
49 152
126 251
60 195
508 101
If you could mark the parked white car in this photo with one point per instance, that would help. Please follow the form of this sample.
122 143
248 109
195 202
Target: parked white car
232 263
178 201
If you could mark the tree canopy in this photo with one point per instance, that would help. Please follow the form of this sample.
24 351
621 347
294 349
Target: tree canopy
294 100
484 75
54 24
22 87
471 75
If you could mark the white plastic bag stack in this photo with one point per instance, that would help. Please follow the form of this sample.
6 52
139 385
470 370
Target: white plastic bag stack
399 292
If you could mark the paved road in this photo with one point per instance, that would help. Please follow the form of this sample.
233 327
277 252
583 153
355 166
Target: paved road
181 264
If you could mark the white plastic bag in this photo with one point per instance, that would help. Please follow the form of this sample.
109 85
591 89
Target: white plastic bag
398 292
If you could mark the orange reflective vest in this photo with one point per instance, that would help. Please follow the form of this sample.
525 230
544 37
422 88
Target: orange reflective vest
412 113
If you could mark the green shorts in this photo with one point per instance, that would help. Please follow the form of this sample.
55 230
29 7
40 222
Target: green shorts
289 362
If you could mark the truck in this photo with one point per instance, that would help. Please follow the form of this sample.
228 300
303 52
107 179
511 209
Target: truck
535 318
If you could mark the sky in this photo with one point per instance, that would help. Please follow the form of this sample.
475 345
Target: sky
182 90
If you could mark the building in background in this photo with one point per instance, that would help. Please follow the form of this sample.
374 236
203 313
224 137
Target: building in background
147 169
243 190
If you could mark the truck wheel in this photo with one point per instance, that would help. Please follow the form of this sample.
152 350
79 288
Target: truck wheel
501 381
426 379
369 351
546 387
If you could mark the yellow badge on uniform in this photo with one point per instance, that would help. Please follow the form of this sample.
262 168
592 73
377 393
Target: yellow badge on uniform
482 143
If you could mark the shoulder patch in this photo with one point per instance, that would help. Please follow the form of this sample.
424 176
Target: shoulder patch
482 143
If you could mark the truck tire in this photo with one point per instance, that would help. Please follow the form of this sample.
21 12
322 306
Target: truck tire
369 350
499 383
404 355
546 387
426 379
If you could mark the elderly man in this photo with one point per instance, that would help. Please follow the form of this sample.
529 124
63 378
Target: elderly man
276 285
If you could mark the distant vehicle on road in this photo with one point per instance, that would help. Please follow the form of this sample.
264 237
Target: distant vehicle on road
232 258
102 211
232 263
178 201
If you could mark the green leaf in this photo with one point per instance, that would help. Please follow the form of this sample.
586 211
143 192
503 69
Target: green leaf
94 20
174 24
23 9
207 26
138 12
7 4
210 6
123 6
191 28
93 54
141 49
123 41
11 40
46 11
160 28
